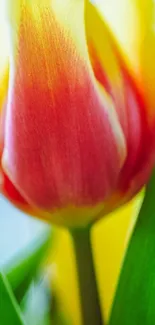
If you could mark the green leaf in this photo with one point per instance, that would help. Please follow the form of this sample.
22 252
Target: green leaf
10 313
134 303
24 265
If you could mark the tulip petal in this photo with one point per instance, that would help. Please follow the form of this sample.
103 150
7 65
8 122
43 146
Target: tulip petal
64 145
4 73
111 71
137 42
132 22
4 66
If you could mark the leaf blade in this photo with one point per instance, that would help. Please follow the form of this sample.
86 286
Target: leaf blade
135 296
10 313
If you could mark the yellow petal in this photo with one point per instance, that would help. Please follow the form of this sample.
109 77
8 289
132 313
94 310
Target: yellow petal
133 24
101 42
3 56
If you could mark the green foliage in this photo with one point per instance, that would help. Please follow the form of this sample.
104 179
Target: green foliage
25 264
18 283
134 303
10 313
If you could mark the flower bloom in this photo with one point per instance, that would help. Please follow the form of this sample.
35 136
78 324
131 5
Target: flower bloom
77 139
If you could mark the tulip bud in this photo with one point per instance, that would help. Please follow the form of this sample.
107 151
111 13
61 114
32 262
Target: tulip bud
75 120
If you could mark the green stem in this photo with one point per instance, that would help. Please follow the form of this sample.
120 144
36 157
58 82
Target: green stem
90 306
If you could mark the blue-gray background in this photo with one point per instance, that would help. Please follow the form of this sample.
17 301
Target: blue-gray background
16 230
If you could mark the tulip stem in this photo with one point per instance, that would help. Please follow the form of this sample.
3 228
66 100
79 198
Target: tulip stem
89 298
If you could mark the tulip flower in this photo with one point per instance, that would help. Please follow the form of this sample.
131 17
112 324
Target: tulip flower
77 138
